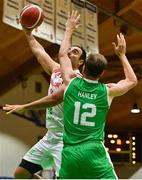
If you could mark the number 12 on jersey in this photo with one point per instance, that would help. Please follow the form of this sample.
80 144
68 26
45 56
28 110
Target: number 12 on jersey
84 115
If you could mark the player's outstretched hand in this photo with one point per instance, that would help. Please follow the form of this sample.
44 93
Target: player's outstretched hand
27 31
13 108
73 20
120 48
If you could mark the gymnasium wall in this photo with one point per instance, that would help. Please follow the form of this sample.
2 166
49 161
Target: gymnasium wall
17 134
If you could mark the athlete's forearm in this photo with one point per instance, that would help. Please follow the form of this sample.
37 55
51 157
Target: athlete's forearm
66 43
128 71
47 63
38 104
125 84
33 43
47 101
64 60
42 103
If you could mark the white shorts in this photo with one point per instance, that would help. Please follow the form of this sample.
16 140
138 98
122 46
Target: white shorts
47 152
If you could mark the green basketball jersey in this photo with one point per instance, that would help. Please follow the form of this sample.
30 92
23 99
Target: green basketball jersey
85 109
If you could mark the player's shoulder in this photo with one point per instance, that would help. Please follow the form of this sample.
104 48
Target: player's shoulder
110 85
112 89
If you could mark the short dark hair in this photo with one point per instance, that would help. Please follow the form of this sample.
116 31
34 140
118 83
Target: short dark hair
83 55
95 64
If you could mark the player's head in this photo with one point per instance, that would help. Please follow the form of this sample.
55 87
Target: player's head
77 56
95 65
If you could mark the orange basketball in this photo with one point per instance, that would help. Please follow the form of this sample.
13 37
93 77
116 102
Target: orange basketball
31 16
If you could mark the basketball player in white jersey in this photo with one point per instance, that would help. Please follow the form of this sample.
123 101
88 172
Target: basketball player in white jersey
47 152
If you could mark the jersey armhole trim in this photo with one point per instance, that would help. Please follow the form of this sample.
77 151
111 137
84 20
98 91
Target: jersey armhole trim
108 98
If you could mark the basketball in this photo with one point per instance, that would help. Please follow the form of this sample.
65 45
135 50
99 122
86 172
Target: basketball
31 16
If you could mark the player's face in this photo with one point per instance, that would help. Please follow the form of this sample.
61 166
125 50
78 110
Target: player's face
74 54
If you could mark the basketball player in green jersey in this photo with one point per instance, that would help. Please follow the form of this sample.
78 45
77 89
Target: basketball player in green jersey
86 103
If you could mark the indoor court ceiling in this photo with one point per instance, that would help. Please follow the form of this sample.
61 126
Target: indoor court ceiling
17 61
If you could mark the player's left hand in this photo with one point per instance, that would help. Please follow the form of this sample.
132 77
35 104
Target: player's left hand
73 21
120 48
13 108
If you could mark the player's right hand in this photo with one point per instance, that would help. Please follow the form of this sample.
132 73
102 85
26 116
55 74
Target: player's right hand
27 31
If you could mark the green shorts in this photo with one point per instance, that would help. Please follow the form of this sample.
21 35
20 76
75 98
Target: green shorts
86 161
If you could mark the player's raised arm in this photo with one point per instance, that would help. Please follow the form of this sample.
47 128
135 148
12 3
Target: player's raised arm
66 66
47 63
47 101
130 80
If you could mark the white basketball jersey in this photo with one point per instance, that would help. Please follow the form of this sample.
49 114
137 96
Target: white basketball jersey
54 115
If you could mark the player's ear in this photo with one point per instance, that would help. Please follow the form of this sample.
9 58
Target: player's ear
81 62
102 73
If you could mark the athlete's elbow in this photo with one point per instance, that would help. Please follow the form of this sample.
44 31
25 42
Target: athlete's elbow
134 82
